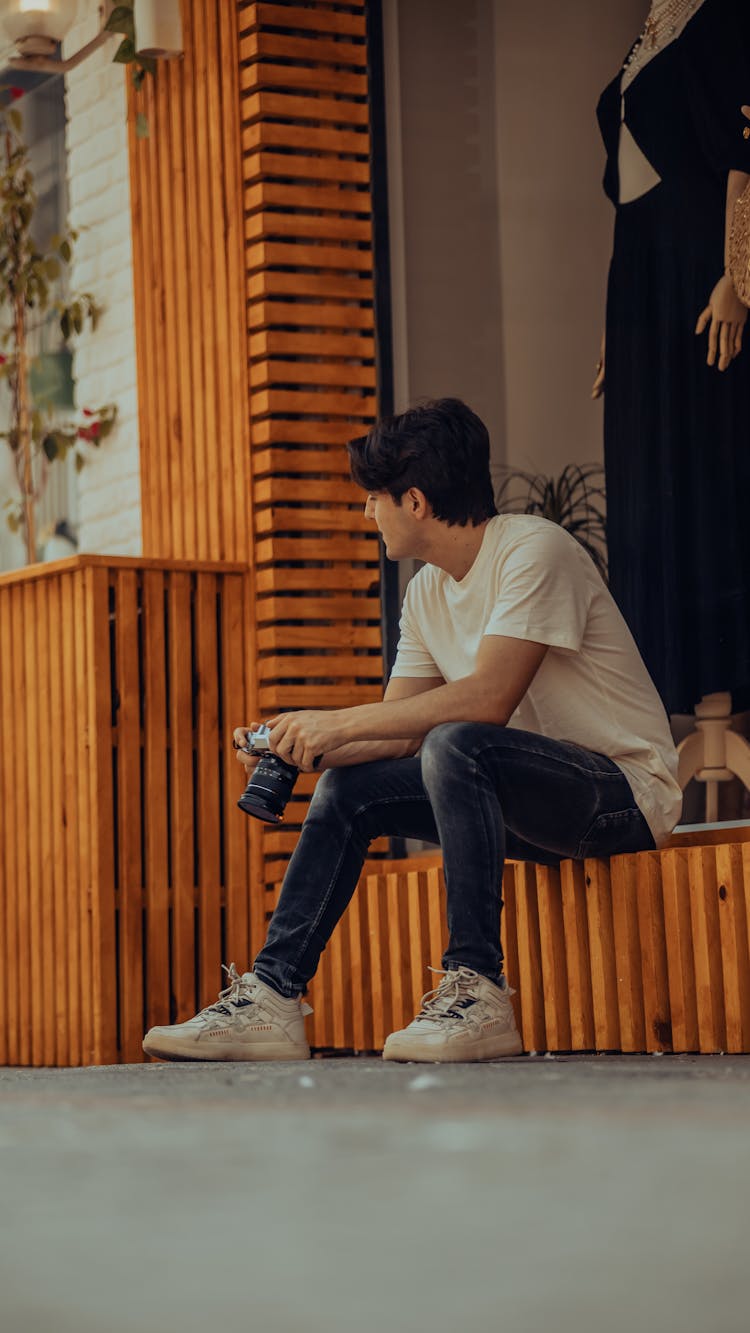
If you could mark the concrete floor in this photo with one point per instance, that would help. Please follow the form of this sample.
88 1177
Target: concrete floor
578 1194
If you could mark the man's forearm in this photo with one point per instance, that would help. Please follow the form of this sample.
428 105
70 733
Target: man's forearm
365 752
467 700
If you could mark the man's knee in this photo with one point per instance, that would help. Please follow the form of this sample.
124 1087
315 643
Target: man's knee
341 792
330 791
446 744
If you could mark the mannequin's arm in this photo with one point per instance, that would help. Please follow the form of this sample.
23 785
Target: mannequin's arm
725 314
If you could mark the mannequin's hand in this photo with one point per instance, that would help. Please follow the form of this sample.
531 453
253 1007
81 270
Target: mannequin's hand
726 316
597 388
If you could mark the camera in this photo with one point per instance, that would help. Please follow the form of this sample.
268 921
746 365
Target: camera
272 781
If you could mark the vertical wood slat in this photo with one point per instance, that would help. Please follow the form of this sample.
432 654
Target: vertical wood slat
625 920
155 798
531 987
33 799
554 965
602 955
208 754
102 907
704 912
58 797
679 941
239 832
22 961
656 1008
45 948
129 806
73 800
10 990
184 988
733 931
577 954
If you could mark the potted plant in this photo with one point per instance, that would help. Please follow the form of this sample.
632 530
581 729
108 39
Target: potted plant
575 499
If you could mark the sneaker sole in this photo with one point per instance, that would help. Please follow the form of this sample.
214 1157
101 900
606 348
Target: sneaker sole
233 1053
487 1050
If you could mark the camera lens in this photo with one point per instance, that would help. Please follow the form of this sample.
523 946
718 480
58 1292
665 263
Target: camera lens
269 789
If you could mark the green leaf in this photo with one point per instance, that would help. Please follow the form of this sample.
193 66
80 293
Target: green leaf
65 251
14 522
52 268
121 20
80 462
141 125
65 325
50 447
125 52
16 121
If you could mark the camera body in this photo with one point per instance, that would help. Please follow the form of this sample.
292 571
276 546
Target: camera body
271 782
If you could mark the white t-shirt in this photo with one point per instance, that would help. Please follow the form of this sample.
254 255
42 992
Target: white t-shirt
532 580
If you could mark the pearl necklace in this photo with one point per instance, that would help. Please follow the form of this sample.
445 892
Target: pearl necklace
663 21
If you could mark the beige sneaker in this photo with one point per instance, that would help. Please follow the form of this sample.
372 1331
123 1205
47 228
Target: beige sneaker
466 1018
249 1021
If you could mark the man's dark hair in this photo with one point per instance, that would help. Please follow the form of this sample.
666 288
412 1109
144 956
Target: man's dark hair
442 448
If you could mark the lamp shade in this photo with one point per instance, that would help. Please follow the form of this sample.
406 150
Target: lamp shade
37 25
158 28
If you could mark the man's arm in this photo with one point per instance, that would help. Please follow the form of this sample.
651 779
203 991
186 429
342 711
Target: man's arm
363 752
504 670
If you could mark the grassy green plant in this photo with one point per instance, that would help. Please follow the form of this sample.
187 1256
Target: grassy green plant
575 499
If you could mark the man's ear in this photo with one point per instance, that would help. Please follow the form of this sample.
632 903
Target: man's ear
417 501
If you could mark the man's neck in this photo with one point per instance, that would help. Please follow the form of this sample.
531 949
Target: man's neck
456 549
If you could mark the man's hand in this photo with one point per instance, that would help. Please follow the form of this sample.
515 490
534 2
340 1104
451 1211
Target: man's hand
239 737
300 738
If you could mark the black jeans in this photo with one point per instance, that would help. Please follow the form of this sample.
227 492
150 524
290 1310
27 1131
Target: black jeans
482 792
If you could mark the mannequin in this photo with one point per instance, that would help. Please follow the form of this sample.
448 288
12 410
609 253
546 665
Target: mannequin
677 403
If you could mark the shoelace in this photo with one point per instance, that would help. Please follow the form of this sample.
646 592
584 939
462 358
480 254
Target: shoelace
236 990
455 986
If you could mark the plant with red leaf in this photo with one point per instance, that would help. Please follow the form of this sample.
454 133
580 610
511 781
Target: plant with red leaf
27 278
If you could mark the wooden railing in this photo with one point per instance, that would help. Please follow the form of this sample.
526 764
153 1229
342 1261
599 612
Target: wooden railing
125 862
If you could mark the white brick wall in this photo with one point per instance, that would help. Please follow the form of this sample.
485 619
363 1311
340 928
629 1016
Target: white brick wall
104 365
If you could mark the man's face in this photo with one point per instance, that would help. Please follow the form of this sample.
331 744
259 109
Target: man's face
395 523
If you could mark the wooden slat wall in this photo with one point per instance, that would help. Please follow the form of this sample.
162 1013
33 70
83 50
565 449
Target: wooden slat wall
124 861
312 382
189 281
256 339
644 953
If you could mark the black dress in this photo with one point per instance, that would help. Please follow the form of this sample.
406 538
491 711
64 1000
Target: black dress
676 431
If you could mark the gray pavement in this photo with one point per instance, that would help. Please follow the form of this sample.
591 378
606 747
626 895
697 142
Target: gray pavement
572 1194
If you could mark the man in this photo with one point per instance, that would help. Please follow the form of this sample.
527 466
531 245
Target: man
519 720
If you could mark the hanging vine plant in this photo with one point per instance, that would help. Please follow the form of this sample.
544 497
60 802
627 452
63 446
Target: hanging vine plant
122 21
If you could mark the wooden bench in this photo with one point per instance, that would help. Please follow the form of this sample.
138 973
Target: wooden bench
644 952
